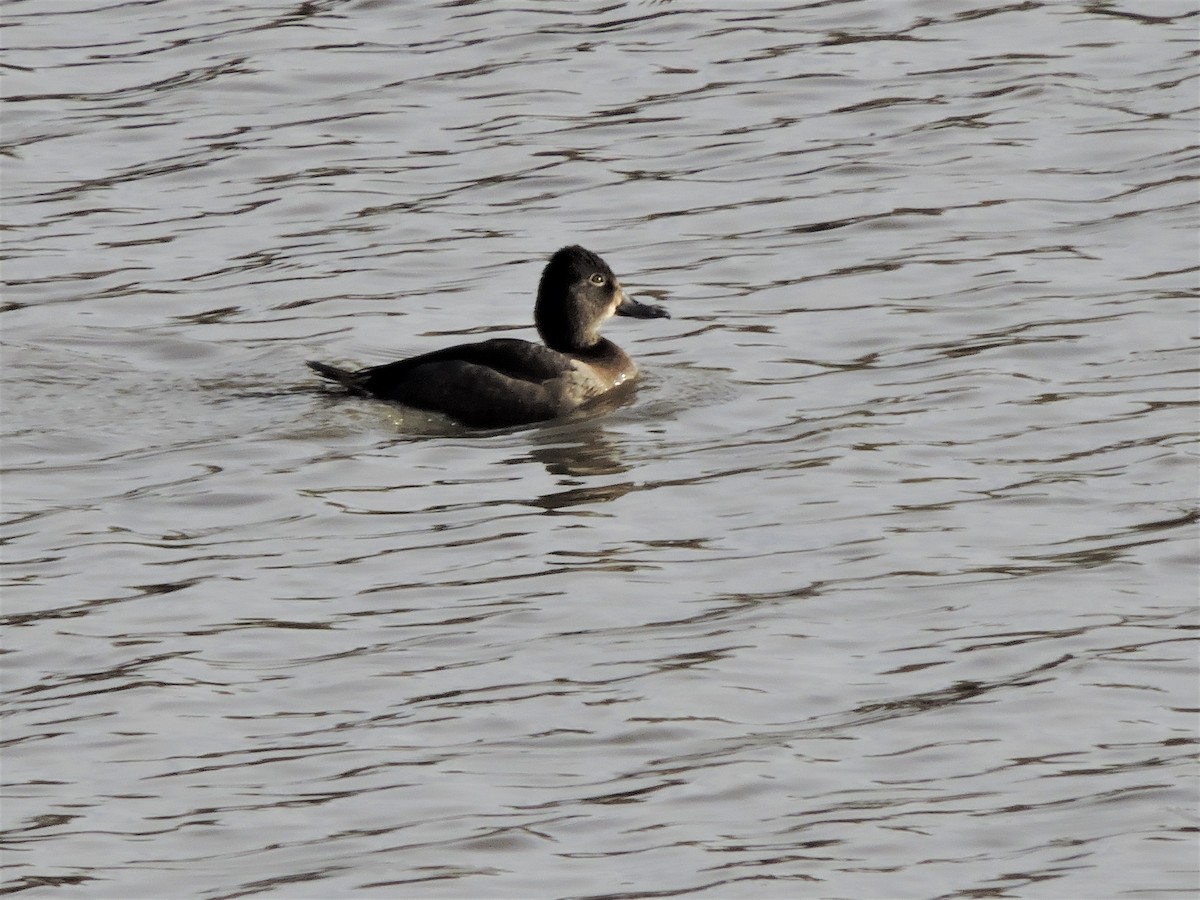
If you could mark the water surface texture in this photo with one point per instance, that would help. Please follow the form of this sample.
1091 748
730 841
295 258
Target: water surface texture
882 585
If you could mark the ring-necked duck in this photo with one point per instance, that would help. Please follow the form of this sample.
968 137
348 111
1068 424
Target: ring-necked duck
506 381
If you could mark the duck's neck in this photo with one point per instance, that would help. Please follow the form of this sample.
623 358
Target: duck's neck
598 349
577 339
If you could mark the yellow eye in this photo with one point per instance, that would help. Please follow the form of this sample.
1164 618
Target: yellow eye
597 279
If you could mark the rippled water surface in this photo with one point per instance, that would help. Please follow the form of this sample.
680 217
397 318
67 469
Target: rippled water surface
882 585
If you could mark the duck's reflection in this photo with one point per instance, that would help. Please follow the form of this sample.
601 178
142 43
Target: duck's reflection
579 451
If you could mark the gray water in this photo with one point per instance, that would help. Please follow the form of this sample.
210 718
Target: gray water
883 584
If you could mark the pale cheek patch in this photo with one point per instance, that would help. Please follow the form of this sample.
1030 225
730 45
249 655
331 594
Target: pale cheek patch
616 300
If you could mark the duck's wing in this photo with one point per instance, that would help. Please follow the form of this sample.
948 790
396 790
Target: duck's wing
491 384
495 383
510 357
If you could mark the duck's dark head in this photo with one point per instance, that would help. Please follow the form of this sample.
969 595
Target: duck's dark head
578 291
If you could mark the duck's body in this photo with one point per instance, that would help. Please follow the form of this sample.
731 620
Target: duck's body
506 381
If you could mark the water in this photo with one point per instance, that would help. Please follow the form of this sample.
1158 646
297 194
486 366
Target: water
882 585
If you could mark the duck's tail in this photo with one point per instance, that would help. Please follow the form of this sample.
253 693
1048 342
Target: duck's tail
344 377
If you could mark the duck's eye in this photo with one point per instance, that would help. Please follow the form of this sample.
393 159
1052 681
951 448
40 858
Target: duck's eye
598 279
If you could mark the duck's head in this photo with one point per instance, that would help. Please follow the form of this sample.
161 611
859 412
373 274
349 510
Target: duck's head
578 291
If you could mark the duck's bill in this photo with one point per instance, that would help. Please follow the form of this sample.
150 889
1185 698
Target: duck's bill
630 307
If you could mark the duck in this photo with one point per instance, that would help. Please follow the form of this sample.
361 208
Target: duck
505 382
